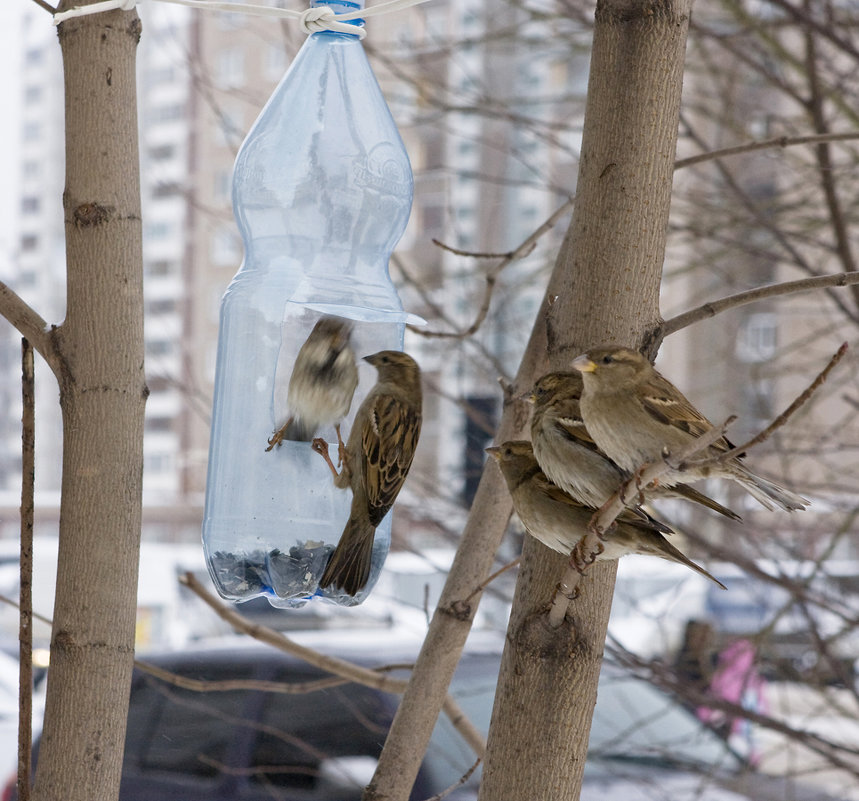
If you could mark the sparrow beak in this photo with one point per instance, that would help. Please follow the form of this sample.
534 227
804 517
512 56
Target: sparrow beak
583 364
494 451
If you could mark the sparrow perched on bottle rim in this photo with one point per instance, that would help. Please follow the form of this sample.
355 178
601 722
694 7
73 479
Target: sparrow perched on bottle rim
634 414
322 383
378 456
558 521
571 459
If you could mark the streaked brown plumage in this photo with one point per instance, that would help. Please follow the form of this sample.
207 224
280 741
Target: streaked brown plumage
379 454
571 459
322 383
558 521
633 413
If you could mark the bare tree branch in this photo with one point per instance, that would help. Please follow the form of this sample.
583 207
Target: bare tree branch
801 399
665 678
25 614
714 307
767 224
491 276
30 325
778 141
42 4
339 667
824 159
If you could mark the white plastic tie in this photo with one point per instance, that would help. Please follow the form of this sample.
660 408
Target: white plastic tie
311 20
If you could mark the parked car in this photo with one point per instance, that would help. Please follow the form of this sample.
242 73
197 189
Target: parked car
260 742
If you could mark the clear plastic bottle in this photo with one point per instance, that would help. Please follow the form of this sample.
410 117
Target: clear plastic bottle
322 191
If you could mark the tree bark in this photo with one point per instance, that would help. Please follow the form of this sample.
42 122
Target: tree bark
99 366
605 289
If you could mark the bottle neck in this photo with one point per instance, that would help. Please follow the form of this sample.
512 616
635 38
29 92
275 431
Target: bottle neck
340 7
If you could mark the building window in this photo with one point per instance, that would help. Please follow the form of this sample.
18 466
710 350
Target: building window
161 152
160 75
29 243
757 338
159 423
230 68
32 132
29 205
157 462
230 129
30 169
33 94
225 246
480 421
158 230
230 20
158 347
159 267
161 306
223 185
158 383
166 189
275 62
175 111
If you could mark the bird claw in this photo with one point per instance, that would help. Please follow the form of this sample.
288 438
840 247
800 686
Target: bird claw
580 561
276 439
320 446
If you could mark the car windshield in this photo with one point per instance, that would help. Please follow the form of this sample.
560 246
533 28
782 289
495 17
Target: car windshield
323 744
635 721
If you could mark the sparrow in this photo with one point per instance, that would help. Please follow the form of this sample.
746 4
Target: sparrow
378 456
322 383
559 521
633 414
571 459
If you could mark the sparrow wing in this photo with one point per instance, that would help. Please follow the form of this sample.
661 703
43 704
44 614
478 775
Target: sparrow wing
666 404
389 438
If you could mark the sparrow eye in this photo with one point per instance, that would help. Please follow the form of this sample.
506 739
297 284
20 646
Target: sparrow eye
607 359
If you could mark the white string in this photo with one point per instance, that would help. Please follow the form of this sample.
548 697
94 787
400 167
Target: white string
311 20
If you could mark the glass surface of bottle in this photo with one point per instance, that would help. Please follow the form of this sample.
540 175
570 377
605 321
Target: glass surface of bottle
322 191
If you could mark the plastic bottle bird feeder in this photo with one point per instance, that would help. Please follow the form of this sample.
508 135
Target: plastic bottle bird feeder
322 191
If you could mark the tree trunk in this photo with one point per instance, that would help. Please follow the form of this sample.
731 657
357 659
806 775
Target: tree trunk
605 289
98 358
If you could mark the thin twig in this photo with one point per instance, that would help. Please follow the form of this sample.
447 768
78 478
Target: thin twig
25 613
339 667
47 7
589 547
471 254
29 324
801 399
714 307
829 749
484 584
491 277
462 780
778 141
